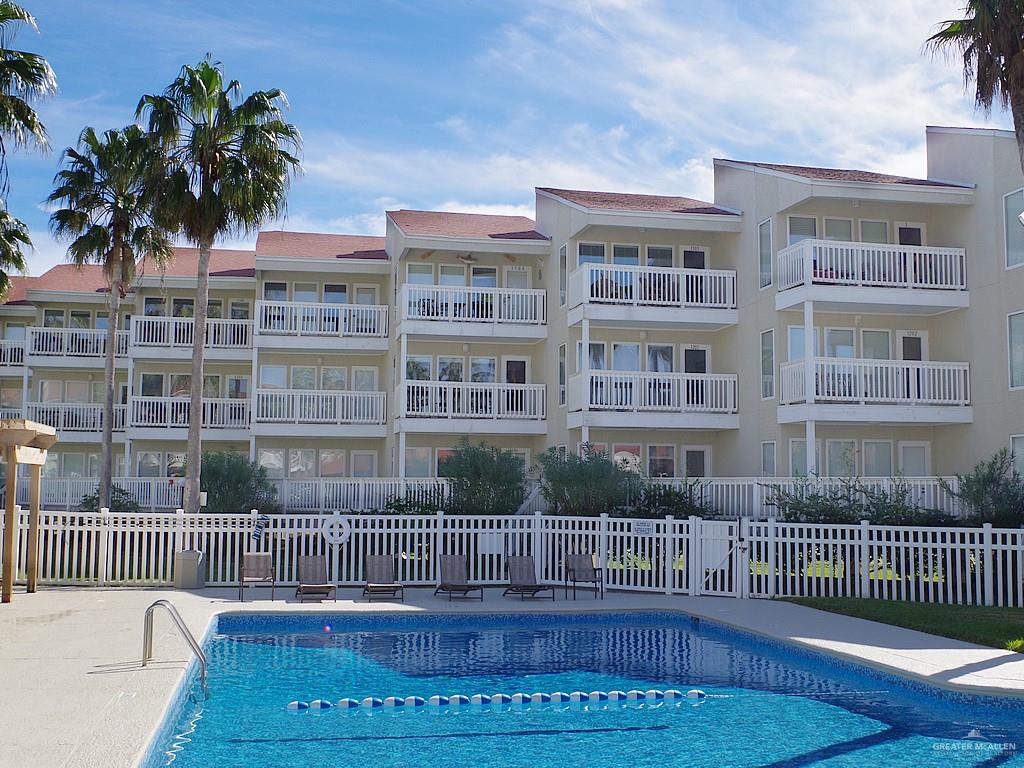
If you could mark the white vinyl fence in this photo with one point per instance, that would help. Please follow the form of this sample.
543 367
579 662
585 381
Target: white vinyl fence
732 558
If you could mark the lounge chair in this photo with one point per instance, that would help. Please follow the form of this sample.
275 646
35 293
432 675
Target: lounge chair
455 578
313 579
579 569
257 568
380 578
522 577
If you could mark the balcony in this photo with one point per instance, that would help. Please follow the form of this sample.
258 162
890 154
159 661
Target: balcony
474 407
869 277
321 412
73 347
83 418
12 353
612 295
172 337
635 399
154 416
861 391
298 325
482 313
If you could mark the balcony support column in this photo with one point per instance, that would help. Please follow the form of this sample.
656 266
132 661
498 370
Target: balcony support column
24 391
401 455
585 361
812 453
809 352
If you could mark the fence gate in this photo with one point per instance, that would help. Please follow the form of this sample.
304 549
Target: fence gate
722 558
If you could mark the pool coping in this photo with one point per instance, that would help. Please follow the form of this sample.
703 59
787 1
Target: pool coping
981 695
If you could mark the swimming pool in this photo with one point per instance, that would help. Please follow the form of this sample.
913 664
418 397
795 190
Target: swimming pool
765 704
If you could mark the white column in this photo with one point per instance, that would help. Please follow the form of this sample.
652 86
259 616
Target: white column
585 378
24 389
400 373
401 454
809 352
812 454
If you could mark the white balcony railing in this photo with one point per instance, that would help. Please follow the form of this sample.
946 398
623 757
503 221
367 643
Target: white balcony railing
655 392
304 406
293 318
834 262
653 286
452 304
473 400
849 380
12 352
74 417
177 332
73 342
173 412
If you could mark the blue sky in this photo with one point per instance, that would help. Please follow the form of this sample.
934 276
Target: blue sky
467 105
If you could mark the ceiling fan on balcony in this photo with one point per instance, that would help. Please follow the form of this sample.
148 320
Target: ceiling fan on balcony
468 258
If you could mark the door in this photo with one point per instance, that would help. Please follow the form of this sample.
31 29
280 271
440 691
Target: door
660 390
516 402
626 361
694 259
517 306
912 348
913 265
695 361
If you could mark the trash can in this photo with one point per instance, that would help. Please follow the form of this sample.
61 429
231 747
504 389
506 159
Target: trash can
188 569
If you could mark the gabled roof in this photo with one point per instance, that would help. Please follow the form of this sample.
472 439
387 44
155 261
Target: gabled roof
845 175
621 201
315 245
88 278
469 225
224 262
18 293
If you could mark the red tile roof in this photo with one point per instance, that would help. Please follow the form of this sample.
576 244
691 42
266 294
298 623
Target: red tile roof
475 225
620 201
224 262
88 278
314 245
18 293
841 174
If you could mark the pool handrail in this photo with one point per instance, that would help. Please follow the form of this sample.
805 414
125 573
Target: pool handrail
183 630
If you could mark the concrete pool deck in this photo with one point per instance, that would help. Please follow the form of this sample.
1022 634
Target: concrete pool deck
72 691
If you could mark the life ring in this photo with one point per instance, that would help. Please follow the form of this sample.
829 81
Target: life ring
336 529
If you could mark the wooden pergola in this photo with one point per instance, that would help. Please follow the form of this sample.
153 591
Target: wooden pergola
23 442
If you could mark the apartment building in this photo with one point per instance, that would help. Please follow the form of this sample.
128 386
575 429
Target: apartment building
878 319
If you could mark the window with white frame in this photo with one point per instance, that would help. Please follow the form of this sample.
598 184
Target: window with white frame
798 457
841 457
1015 340
765 261
563 258
1013 205
364 463
874 231
589 253
768 458
839 229
441 456
1017 451
659 255
661 461
272 460
561 374
417 462
628 455
877 458
768 364
802 228
332 462
795 343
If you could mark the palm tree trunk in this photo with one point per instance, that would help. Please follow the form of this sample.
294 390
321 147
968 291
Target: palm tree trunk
107 458
194 454
1017 109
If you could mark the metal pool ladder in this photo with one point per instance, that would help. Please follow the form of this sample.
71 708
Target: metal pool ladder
147 638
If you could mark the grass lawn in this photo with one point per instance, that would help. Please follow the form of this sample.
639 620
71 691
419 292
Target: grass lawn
994 627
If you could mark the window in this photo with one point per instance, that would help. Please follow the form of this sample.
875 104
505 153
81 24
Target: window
307 293
660 358
874 231
275 291
14 331
364 379
239 310
237 387
839 229
625 357
915 459
79 319
802 228
364 463
417 462
332 462
76 391
272 460
53 318
50 391
303 377
661 461
211 385
154 306
333 377
798 457
10 396
442 455
452 275
274 376
419 368
215 309
563 258
152 384
1017 449
366 295
484 277
183 308
659 255
101 321
874 344
767 364
596 358
839 342
450 368
589 253
561 374
628 455
626 255
175 465
768 458
796 342
842 457
420 274
1013 205
877 458
150 464
483 369
335 293
302 463
696 462
764 253
1015 336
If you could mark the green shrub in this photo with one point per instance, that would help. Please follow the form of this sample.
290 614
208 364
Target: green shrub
484 480
417 502
655 500
992 492
120 501
589 484
234 485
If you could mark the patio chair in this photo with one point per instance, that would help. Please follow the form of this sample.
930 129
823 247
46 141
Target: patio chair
579 569
522 578
380 578
257 568
455 578
313 579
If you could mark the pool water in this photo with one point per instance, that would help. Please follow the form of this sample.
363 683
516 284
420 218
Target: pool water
767 705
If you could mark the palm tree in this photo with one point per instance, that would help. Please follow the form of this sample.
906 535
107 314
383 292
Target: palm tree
107 218
228 162
990 38
24 77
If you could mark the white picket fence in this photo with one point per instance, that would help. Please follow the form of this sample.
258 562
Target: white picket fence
732 558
